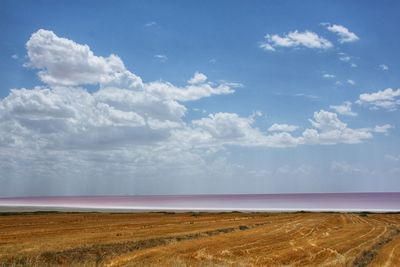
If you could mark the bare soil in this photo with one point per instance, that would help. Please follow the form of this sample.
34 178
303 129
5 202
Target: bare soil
199 239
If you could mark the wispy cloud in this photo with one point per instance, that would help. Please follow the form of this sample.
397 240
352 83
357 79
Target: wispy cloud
351 82
348 59
345 36
308 96
329 76
161 58
383 128
151 24
294 39
312 97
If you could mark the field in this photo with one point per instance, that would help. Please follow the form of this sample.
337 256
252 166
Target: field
199 239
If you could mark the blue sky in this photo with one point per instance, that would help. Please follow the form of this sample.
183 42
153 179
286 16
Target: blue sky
178 97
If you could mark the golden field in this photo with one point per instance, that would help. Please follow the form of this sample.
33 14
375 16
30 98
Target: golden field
199 239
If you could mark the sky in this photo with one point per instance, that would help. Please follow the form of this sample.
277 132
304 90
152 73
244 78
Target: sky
198 97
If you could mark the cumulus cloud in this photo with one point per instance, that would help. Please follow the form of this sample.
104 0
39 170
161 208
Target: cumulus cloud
135 112
123 110
198 78
231 129
345 36
329 129
72 117
388 99
344 109
226 125
306 39
192 91
282 128
64 62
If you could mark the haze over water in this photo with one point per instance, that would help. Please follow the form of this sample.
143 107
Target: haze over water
254 202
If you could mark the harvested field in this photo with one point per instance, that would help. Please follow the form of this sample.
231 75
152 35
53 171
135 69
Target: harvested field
200 239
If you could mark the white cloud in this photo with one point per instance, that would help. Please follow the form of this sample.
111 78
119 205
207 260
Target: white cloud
295 39
329 76
226 125
66 63
123 110
198 78
328 129
15 56
388 99
190 92
141 101
282 128
231 129
63 62
146 113
384 67
345 36
344 109
67 117
383 128
161 58
351 82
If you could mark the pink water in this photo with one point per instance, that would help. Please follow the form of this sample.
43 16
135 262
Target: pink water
256 202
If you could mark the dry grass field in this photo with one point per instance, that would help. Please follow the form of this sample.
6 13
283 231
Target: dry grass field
200 239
